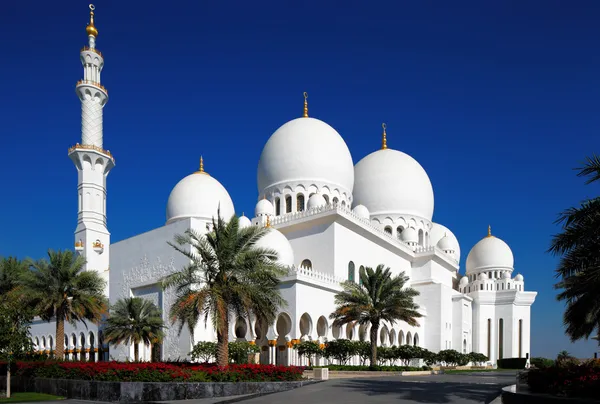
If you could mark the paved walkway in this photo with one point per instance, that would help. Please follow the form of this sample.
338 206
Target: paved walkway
459 388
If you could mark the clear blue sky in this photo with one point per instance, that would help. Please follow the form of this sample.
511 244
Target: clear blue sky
497 100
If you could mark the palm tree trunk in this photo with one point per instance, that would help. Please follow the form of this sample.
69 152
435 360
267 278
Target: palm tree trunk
223 341
8 380
60 338
374 331
136 351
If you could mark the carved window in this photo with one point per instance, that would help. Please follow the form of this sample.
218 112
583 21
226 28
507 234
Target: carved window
335 201
300 202
388 230
351 270
326 197
277 207
306 264
399 231
288 204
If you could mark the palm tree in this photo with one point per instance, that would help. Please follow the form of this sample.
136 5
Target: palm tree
61 289
228 275
377 297
11 272
579 267
563 355
133 320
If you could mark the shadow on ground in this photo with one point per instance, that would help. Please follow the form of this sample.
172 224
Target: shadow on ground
424 392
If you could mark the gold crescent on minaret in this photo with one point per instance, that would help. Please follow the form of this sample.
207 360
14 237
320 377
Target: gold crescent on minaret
91 28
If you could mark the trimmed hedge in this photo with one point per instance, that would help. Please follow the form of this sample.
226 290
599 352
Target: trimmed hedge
512 363
375 368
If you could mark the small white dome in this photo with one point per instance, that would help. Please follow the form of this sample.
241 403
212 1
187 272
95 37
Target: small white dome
410 235
264 207
275 240
362 212
445 244
200 196
391 182
316 201
438 232
490 253
519 278
506 275
306 150
464 280
244 222
483 276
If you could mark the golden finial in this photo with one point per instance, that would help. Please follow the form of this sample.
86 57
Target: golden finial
91 29
305 104
268 221
489 231
201 169
384 138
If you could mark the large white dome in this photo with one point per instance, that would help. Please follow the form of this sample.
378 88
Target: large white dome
490 253
306 150
391 182
438 232
275 240
199 195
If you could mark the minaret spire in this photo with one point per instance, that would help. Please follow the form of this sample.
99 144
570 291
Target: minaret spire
305 105
489 231
384 137
93 163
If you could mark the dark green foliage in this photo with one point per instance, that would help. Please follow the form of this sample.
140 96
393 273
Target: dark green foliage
477 358
60 289
452 357
363 368
239 351
512 363
204 351
228 276
134 320
309 350
541 362
578 247
340 350
376 298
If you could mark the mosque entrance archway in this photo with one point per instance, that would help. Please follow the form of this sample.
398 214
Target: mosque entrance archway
305 325
283 327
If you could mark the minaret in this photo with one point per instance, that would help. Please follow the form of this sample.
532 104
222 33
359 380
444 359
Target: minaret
93 163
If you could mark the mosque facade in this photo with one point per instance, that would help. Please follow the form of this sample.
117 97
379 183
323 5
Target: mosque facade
328 217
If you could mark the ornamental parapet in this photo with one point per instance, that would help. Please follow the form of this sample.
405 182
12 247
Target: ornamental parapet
88 49
92 83
90 147
342 211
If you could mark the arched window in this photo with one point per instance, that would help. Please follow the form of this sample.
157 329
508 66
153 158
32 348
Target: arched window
399 231
351 270
306 264
362 268
427 239
501 338
300 202
464 346
416 340
420 237
520 338
388 230
277 207
335 201
489 339
343 204
288 204
326 197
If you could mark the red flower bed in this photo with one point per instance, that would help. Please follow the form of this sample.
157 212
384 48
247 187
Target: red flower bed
570 380
157 372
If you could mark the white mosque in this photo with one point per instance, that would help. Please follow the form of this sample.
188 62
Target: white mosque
328 217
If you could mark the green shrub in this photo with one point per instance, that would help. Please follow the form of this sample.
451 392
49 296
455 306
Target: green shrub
204 351
512 363
309 349
340 350
540 362
451 357
239 351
